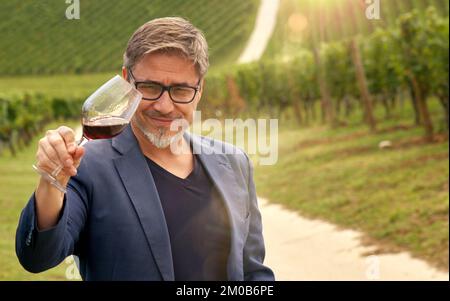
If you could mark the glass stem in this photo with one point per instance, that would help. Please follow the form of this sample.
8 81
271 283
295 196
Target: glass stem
82 141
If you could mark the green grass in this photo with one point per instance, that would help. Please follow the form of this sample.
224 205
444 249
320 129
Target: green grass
17 182
38 39
399 197
56 85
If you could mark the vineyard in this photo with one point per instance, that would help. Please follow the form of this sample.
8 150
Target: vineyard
305 23
338 83
24 116
53 44
92 44
328 83
405 62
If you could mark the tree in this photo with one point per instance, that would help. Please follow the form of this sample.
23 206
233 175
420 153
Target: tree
362 84
413 42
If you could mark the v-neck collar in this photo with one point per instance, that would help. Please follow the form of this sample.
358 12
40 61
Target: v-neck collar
167 173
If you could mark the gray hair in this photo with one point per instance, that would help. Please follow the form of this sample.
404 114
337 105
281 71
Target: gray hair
168 34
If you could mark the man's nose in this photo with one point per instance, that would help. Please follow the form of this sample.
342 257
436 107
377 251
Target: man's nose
164 104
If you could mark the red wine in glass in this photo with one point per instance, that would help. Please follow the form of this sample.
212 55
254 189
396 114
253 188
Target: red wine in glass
104 127
105 114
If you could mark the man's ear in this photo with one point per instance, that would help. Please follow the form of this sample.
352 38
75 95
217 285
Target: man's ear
124 73
200 92
202 84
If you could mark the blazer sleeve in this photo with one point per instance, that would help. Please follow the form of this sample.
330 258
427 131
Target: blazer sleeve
38 250
254 250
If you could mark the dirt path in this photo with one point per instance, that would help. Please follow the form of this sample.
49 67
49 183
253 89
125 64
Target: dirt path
266 19
303 249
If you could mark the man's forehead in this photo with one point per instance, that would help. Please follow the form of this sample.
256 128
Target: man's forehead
167 58
163 67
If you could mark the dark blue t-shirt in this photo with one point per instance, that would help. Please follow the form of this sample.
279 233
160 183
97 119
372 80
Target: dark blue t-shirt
198 223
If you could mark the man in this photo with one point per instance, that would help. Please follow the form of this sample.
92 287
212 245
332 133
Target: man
136 210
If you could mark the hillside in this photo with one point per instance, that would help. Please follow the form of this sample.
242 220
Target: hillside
37 38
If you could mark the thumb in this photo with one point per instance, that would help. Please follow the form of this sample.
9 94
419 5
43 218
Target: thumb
78 154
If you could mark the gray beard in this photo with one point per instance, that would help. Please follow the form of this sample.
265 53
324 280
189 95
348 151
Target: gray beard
158 139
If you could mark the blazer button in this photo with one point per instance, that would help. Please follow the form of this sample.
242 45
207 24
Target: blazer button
28 240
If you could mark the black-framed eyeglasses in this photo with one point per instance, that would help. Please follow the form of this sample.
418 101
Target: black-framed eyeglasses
153 90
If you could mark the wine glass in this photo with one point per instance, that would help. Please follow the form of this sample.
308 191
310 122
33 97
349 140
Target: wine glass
105 114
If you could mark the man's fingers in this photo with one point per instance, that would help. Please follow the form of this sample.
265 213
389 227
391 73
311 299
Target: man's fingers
47 153
57 150
78 154
68 136
44 163
59 146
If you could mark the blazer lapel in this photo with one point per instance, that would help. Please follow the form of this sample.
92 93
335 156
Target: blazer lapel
138 181
223 178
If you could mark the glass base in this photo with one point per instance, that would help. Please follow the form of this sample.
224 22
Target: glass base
50 179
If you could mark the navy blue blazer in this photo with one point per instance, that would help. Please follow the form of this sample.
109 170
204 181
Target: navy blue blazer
113 221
